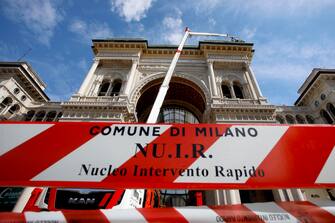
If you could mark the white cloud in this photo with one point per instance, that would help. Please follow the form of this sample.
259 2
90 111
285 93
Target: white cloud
173 28
131 10
204 6
88 31
260 7
292 60
282 71
39 16
280 8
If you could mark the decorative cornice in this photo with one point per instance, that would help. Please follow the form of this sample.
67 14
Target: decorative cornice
118 56
234 105
95 104
243 108
153 67
227 58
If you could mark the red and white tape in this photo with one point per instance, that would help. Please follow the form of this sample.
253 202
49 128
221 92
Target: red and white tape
281 212
107 155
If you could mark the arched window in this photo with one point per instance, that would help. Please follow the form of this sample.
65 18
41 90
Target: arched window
39 116
116 87
225 91
110 89
50 116
331 109
5 102
14 108
300 119
310 119
176 115
29 116
290 119
104 89
280 119
326 117
238 91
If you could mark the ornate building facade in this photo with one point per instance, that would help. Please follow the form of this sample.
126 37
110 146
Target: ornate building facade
213 83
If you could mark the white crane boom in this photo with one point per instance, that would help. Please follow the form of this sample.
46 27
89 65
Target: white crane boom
165 85
207 34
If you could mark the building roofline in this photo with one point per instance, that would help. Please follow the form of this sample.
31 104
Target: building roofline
20 64
121 40
141 40
239 42
312 77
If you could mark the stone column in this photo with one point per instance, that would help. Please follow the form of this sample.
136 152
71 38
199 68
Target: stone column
280 195
231 88
220 197
34 117
96 86
45 116
233 197
254 81
88 78
212 78
131 77
298 195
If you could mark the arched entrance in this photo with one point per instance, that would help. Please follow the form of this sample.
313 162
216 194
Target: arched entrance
184 102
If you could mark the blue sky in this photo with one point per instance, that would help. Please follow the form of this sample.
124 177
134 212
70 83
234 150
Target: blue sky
291 37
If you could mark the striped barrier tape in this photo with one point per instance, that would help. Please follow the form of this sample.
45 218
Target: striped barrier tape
271 212
203 156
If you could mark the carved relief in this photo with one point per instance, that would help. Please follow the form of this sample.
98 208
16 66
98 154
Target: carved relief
227 57
153 67
125 55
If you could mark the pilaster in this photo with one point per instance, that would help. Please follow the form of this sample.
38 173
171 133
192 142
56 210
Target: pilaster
231 88
250 86
88 78
212 78
131 76
253 80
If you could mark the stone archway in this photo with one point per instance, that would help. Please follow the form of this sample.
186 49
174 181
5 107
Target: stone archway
182 93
